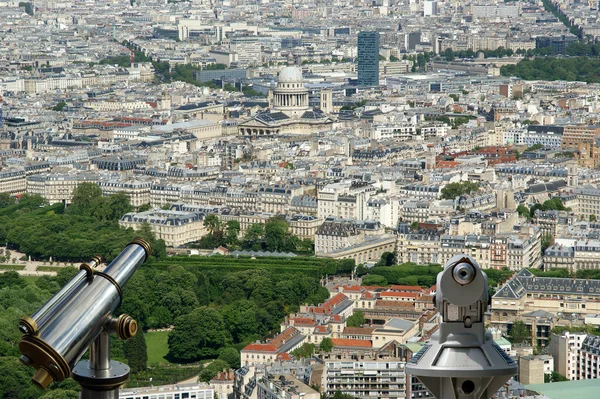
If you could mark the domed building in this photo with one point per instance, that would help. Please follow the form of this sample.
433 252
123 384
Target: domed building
289 112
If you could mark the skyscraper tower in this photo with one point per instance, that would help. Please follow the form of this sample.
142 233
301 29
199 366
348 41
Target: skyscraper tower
368 59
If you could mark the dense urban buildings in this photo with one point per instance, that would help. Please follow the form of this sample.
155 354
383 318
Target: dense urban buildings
377 134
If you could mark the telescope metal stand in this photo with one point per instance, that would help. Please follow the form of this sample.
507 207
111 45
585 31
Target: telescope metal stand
100 377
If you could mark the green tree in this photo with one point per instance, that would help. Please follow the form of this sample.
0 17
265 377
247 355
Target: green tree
136 352
59 107
592 218
555 376
305 351
211 371
231 356
340 395
356 320
326 345
144 207
212 222
453 190
519 333
546 241
387 259
233 231
60 394
374 279
199 334
276 232
523 211
87 198
118 205
6 200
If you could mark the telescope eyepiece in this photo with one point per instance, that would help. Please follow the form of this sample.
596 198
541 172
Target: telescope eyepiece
463 273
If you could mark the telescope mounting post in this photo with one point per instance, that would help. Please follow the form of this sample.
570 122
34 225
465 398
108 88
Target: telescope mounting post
100 377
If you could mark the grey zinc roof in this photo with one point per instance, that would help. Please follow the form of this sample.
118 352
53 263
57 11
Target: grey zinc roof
400 324
524 281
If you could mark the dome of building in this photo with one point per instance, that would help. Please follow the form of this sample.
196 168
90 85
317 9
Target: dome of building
290 74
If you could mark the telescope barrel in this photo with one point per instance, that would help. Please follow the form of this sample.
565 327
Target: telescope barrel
57 302
62 341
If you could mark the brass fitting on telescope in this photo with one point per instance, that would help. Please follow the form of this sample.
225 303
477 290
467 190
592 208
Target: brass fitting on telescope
124 326
27 325
89 267
127 327
50 365
144 244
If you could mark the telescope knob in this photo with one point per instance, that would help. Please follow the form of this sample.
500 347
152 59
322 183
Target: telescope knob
42 378
126 327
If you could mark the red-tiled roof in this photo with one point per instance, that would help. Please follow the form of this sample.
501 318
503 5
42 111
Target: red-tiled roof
408 288
380 303
321 330
303 321
260 348
356 288
283 357
336 318
399 294
367 295
354 343
284 336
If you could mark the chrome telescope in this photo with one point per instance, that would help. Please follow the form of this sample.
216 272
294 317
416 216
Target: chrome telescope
79 317
462 361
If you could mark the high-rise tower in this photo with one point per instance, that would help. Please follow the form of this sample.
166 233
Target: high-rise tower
368 59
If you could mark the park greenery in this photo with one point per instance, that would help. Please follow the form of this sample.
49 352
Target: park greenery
88 227
235 301
453 190
272 236
582 69
554 204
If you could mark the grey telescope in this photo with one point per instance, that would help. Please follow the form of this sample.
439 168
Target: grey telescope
79 317
461 361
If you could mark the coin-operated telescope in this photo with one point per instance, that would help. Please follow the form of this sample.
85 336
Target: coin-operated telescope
80 316
461 361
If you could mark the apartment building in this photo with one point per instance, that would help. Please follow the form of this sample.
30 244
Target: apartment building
176 228
551 221
565 349
366 372
525 293
344 200
56 188
176 391
575 134
583 201
13 181
272 386
532 369
588 358
162 194
137 191
333 235
421 249
275 349
223 384
573 255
